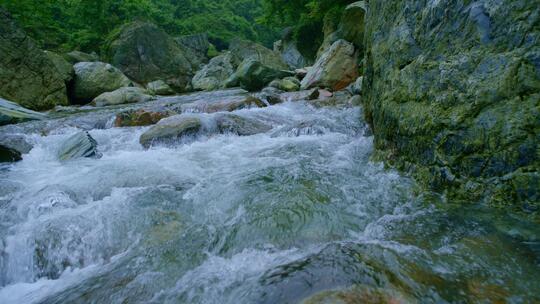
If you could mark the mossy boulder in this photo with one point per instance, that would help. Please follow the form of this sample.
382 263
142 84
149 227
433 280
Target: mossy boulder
145 53
247 50
159 87
62 66
27 75
287 84
94 78
452 92
214 75
254 75
195 47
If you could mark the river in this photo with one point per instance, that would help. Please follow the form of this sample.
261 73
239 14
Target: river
299 213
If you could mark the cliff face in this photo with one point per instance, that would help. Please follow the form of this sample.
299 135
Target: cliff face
452 91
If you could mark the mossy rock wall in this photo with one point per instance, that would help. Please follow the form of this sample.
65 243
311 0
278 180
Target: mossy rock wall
452 91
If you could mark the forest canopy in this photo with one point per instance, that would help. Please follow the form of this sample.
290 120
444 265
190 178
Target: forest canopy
84 25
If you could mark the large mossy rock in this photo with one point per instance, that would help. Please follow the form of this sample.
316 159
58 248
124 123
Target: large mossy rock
78 145
145 53
352 23
335 69
195 47
94 78
452 92
62 66
122 96
248 50
159 87
11 112
213 75
254 75
27 76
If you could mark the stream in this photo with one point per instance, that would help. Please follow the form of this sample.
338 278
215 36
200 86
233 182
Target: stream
299 214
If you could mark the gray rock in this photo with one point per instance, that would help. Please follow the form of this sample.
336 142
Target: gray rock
225 104
122 96
335 69
214 75
145 53
289 51
94 78
79 145
11 112
171 129
27 75
160 87
270 95
352 23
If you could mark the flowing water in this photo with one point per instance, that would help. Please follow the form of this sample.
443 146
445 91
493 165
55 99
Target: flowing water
279 217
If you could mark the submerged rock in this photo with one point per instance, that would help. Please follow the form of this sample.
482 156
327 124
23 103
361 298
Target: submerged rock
11 112
254 75
145 53
27 75
170 129
214 75
94 78
8 155
242 126
335 69
79 145
224 104
122 96
160 87
359 294
460 104
136 118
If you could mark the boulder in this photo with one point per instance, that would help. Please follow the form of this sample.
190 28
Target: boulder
195 47
171 129
145 53
139 118
159 87
214 75
287 84
27 75
352 23
452 93
62 66
79 145
122 96
247 50
242 126
335 69
11 112
94 78
78 56
289 51
254 75
16 142
8 155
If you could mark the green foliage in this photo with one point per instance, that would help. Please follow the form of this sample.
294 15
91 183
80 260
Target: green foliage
84 24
